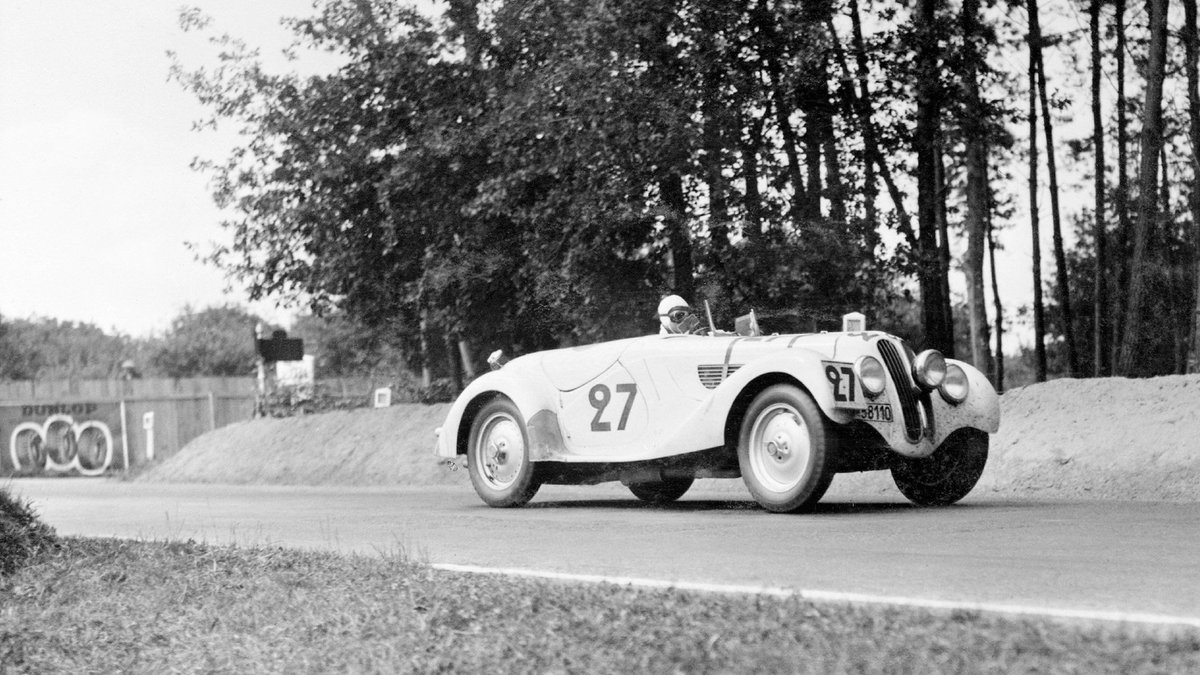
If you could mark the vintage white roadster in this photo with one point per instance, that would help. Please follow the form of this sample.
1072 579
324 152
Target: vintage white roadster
783 412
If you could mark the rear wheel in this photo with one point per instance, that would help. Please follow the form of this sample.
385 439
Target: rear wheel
498 456
782 450
661 491
947 475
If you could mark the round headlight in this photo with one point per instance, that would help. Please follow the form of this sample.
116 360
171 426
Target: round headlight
955 386
929 368
871 374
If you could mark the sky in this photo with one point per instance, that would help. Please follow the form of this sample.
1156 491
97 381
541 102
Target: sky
97 200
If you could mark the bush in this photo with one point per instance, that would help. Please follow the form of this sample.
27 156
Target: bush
22 534
292 401
441 390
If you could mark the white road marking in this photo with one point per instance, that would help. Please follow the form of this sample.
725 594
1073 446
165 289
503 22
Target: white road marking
1144 618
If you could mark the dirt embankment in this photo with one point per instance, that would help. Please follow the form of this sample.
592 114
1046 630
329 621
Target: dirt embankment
1110 438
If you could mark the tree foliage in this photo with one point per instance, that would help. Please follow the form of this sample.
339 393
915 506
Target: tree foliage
39 348
214 341
537 173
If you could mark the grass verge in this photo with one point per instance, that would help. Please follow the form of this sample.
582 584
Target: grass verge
104 605
22 534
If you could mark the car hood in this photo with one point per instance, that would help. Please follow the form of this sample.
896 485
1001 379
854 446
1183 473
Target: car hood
572 367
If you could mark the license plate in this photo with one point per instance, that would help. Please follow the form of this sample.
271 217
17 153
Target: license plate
876 412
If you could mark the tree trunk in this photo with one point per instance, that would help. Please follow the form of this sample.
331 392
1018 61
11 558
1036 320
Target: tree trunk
997 307
678 238
467 357
1101 326
1192 65
423 327
944 248
714 165
865 113
1060 256
1121 258
833 173
783 120
452 365
818 14
977 189
1147 182
937 334
662 56
464 14
812 157
751 143
1039 318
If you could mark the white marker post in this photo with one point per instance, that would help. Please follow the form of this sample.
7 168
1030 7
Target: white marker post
148 425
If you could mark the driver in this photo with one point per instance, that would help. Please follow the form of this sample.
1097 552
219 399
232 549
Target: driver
676 316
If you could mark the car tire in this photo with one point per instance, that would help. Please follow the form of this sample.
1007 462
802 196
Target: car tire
498 456
947 475
661 491
782 450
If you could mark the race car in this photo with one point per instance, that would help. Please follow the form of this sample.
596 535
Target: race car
785 413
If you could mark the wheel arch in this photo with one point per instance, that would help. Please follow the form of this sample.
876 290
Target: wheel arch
470 410
741 403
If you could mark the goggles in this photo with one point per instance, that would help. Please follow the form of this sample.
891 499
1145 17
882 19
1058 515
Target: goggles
677 315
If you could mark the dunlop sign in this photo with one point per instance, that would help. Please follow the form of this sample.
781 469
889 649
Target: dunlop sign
81 438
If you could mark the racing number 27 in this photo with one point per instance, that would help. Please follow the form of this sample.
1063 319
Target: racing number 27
836 376
600 396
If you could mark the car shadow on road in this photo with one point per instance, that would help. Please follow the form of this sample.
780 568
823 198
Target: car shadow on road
746 505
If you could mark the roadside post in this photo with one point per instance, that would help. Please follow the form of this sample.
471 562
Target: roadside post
148 426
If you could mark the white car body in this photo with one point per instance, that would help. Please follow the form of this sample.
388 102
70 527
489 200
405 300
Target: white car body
622 409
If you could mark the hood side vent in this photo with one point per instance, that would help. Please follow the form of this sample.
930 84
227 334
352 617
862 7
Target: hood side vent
713 375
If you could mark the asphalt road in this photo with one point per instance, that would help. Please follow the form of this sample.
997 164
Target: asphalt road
1074 556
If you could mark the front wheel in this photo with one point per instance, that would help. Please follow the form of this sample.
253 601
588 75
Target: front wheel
782 450
948 474
661 491
498 456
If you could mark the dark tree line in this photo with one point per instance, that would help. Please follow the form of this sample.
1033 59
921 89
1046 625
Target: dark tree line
534 174
214 341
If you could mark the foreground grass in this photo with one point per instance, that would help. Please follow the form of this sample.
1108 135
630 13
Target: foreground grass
125 606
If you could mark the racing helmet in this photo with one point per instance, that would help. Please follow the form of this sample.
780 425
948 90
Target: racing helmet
673 313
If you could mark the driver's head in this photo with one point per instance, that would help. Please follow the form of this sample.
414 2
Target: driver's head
674 314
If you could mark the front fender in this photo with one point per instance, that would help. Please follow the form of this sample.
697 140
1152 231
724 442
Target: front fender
706 427
980 411
522 389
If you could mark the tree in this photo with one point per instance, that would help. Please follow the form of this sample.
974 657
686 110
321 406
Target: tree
1101 329
214 341
938 334
1121 200
1151 147
1060 260
42 348
1192 45
1039 321
978 189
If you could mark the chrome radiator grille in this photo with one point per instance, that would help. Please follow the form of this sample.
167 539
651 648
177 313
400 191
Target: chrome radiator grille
904 387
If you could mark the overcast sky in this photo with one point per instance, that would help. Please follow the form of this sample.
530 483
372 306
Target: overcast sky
96 197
